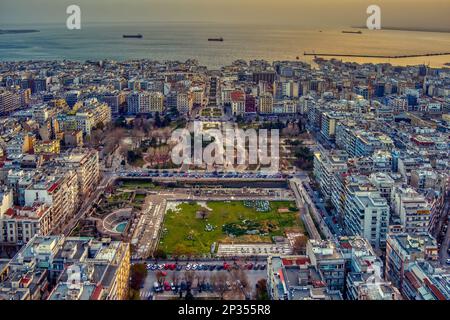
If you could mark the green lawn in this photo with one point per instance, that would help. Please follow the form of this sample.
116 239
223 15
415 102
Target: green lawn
136 184
186 231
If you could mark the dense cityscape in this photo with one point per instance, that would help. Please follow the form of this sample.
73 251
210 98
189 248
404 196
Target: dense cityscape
92 206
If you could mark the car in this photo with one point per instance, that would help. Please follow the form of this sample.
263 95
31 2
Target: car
188 267
212 267
166 266
149 266
263 267
154 267
448 250
160 267
447 261
194 266
172 286
167 286
179 267
156 287
249 266
183 286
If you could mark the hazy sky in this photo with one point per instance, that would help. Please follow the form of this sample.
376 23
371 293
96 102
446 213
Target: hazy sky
324 13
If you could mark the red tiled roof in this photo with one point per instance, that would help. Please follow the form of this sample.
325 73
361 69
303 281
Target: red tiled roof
412 279
25 280
435 290
298 261
10 212
53 187
237 96
346 245
97 292
302 261
287 262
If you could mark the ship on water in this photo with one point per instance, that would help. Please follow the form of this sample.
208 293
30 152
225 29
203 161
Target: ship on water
354 32
136 36
216 39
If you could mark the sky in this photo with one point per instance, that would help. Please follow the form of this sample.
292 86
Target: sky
423 14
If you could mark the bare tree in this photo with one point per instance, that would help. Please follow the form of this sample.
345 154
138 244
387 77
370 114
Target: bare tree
220 283
299 246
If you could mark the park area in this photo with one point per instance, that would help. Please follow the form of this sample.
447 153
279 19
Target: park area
191 228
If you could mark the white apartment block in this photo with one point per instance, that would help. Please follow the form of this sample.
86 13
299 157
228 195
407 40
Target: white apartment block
367 215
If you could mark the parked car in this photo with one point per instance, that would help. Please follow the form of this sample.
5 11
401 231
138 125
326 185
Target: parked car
188 267
156 287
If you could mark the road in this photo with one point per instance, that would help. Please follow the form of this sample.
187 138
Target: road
327 216
309 223
444 255
86 206
312 208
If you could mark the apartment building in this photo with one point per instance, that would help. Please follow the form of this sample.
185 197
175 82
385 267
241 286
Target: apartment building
295 278
19 224
85 162
328 259
185 102
59 268
325 166
59 190
265 103
403 249
367 214
413 210
423 281
237 102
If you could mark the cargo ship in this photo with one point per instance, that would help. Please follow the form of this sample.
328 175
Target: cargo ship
216 39
136 36
355 32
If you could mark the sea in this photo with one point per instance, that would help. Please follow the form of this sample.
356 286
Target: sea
180 41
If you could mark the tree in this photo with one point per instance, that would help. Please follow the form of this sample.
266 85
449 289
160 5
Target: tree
220 283
120 122
138 275
159 254
261 290
100 126
299 246
158 122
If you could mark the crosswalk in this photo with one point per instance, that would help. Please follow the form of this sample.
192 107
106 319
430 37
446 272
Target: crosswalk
145 295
